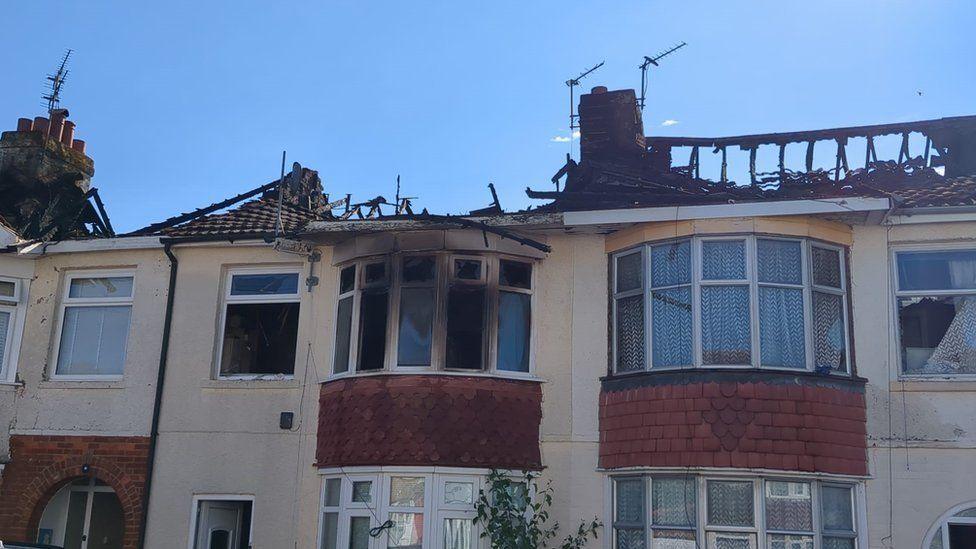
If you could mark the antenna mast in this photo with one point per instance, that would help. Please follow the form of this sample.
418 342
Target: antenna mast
648 61
53 97
573 117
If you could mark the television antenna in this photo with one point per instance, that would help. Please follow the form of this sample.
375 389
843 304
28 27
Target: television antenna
648 61
56 80
572 83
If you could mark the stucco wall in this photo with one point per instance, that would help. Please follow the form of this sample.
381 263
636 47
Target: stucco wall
921 434
23 270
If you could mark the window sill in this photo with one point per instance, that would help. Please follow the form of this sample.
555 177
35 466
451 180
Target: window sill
455 373
81 384
934 385
251 383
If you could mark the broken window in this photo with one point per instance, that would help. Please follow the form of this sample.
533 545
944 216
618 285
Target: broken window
936 299
94 326
260 324
435 311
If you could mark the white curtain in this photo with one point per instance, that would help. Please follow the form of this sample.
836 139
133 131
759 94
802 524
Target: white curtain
956 352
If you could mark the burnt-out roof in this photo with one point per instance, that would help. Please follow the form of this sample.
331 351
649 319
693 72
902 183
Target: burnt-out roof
256 218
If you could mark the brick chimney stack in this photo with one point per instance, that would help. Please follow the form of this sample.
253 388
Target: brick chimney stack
610 125
42 151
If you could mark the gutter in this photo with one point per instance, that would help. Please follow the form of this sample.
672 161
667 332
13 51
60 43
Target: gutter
158 401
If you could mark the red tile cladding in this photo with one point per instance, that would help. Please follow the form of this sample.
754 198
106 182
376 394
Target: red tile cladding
796 423
460 421
41 465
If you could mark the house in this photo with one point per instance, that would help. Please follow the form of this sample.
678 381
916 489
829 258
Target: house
782 362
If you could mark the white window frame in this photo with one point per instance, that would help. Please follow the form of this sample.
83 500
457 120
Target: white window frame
759 529
195 506
751 281
941 526
434 510
898 294
16 306
444 278
67 302
228 299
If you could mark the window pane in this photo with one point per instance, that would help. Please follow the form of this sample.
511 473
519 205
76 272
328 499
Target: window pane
938 334
779 261
259 338
93 340
630 538
330 530
515 274
630 501
671 264
347 279
465 327
343 334
943 270
673 501
838 543
458 493
961 536
630 333
359 533
372 321
112 286
936 540
362 491
407 530
781 335
730 503
836 509
467 269
826 267
789 506
828 332
416 326
789 541
724 259
514 321
671 327
730 540
407 491
7 289
629 272
264 284
673 539
332 489
725 325
375 273
457 533
418 269
4 330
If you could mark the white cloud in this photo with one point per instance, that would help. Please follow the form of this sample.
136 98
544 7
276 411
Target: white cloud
560 139
670 122
576 134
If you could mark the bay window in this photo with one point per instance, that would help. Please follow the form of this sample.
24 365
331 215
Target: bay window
730 301
690 511
434 311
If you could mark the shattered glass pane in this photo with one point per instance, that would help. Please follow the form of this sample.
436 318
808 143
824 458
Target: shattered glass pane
630 333
836 509
781 335
515 274
407 491
629 272
630 501
671 327
260 338
347 279
780 261
673 501
630 538
671 264
375 273
829 343
467 269
725 327
724 259
730 503
789 506
826 267
789 541
938 334
418 269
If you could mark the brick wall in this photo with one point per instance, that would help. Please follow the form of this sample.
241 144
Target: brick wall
459 421
740 420
42 465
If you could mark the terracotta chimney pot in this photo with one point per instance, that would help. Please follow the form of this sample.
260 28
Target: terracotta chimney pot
599 89
24 124
57 124
41 124
78 145
68 133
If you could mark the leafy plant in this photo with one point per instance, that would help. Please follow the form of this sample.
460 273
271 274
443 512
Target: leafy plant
514 514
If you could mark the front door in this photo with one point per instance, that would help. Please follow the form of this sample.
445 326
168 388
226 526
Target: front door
219 524
83 515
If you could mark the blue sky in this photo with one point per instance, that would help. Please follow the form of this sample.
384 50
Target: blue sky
184 103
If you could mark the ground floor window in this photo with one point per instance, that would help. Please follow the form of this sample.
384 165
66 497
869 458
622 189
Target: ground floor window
956 531
408 509
85 514
693 512
222 522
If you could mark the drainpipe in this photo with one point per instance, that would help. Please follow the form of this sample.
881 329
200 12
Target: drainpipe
158 402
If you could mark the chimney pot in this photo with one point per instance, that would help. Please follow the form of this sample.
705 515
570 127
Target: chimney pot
41 124
599 89
68 133
24 124
57 124
78 145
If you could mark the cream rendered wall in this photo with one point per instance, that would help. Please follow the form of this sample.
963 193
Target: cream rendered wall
912 482
10 392
222 437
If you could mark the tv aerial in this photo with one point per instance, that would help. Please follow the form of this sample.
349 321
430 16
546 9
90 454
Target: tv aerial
56 80
572 83
648 61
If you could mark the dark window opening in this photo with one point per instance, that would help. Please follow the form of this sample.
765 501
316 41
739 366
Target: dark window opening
259 338
347 279
465 328
418 269
962 536
467 269
375 273
372 319
515 274
343 334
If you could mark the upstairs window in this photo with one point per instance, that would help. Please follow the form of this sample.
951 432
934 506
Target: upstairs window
94 329
735 301
9 303
936 298
465 313
259 324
